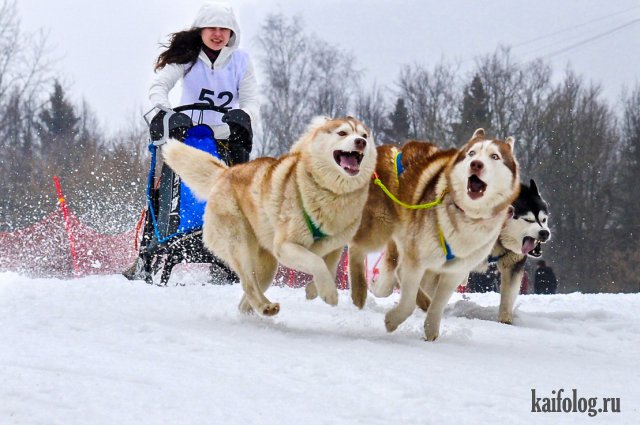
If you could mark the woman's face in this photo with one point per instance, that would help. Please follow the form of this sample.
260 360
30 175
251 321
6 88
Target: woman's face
215 38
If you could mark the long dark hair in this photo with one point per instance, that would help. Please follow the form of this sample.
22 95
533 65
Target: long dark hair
184 47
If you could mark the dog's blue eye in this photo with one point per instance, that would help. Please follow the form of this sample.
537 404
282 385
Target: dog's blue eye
472 153
495 156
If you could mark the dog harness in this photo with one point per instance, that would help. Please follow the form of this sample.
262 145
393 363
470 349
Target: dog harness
397 161
398 170
313 227
445 246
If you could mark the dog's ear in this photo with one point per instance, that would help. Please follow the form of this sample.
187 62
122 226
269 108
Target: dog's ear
478 133
534 187
510 212
319 121
312 129
510 141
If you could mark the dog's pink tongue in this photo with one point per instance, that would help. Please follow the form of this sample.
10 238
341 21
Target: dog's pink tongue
528 245
349 162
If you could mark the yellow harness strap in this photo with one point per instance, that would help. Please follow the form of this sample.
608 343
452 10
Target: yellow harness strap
438 201
397 167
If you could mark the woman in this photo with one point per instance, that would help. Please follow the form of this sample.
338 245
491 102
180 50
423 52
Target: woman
214 70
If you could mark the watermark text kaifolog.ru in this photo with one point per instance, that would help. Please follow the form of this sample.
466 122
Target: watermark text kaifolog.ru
562 401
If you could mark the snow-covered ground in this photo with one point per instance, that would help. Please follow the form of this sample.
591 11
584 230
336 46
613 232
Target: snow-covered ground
103 350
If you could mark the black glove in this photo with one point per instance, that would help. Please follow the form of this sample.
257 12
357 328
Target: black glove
238 117
178 124
240 135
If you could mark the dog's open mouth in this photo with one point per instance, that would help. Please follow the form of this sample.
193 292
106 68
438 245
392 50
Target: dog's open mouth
348 161
475 187
531 247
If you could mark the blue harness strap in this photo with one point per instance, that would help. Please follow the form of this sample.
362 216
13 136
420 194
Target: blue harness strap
446 249
399 166
397 163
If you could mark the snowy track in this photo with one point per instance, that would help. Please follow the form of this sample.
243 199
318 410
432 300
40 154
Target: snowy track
103 350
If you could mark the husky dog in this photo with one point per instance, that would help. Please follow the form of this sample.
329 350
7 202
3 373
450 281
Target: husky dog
474 187
521 237
395 168
299 210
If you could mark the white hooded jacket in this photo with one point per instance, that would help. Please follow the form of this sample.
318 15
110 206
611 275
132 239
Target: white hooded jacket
230 80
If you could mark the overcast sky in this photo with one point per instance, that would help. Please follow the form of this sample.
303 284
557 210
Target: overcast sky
106 49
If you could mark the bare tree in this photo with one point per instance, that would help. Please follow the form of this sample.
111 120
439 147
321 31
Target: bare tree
289 78
577 174
305 76
23 71
502 78
432 99
626 251
336 80
630 165
9 46
371 108
518 95
532 104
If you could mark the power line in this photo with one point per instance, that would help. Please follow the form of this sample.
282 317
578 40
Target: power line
542 37
590 39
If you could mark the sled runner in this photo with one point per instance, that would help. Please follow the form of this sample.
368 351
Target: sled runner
171 223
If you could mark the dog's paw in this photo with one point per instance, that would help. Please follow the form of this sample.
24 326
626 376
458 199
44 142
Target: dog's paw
505 315
245 307
392 321
311 291
431 337
271 309
331 298
507 320
431 334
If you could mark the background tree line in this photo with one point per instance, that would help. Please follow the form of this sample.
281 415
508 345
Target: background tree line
583 152
43 133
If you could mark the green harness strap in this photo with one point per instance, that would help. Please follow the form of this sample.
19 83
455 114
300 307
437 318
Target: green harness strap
313 228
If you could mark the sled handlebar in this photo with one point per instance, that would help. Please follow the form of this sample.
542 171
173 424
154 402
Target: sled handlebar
162 133
202 107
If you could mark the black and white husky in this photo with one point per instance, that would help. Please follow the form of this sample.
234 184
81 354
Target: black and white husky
521 237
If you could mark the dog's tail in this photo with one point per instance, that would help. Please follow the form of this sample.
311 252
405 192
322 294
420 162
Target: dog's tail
198 169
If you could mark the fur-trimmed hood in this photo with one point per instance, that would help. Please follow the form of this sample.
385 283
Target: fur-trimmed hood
218 14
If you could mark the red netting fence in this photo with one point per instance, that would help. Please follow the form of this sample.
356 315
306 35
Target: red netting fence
60 245
44 249
48 249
